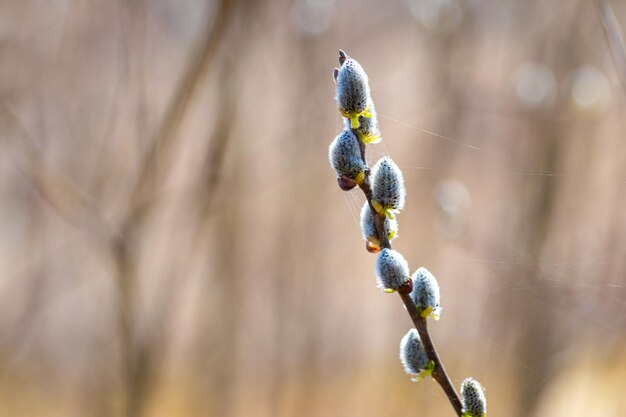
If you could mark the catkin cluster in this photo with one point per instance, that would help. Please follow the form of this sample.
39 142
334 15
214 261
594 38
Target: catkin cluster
385 184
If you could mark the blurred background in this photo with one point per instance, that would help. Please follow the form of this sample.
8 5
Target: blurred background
173 241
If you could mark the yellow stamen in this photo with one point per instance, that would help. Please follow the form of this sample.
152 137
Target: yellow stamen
360 178
354 121
391 234
422 375
426 312
426 372
388 291
354 117
369 138
378 207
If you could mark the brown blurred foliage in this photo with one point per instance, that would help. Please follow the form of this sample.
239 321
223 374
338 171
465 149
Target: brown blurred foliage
173 242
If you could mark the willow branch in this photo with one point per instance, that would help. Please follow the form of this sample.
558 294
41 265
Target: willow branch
439 373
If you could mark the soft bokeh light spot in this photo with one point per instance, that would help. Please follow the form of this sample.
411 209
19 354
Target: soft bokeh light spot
453 200
437 15
311 17
589 88
534 84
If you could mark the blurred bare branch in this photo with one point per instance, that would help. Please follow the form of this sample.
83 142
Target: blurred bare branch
613 34
156 162
140 356
54 186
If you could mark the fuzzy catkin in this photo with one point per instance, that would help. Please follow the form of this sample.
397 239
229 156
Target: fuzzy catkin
344 155
392 270
387 186
473 398
353 91
412 353
425 293
368 226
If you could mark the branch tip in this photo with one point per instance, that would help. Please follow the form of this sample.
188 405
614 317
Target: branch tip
342 56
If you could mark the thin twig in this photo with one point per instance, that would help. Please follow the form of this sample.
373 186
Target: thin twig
158 158
613 35
138 359
439 373
56 187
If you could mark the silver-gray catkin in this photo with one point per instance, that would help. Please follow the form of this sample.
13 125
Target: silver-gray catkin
353 91
425 293
388 185
412 353
344 155
392 270
473 398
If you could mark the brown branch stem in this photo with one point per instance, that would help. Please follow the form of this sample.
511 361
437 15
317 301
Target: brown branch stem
439 373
